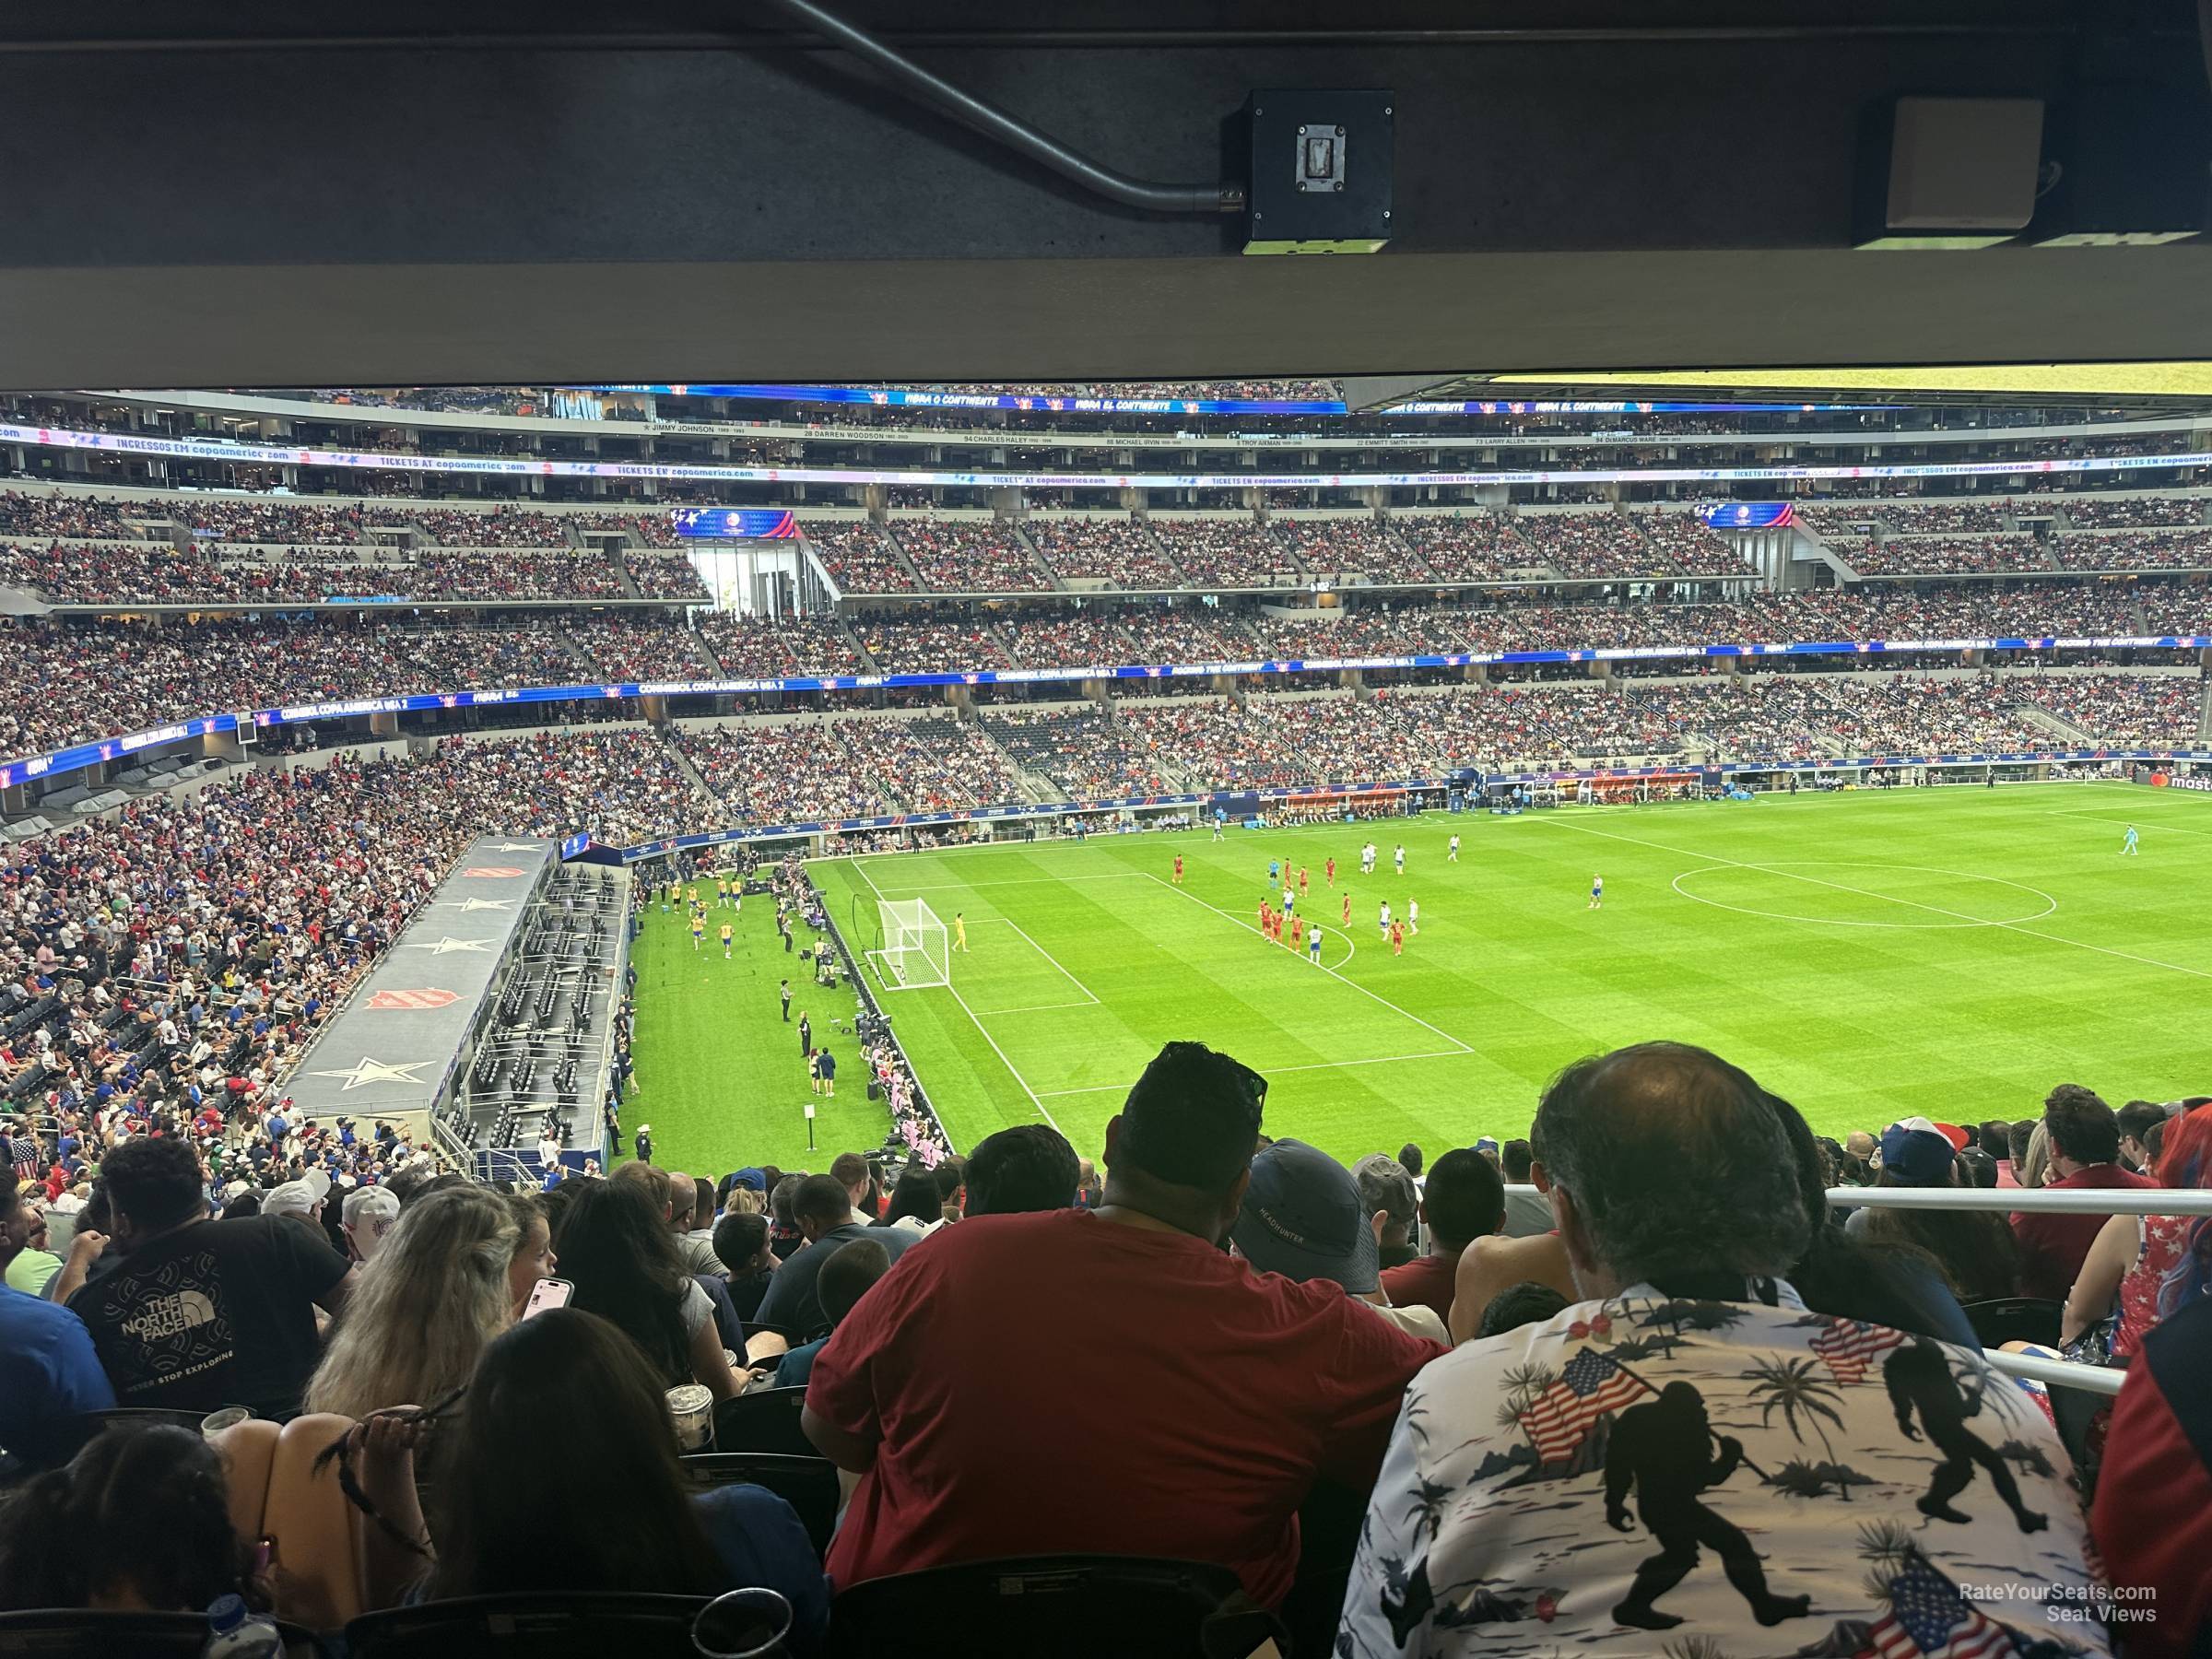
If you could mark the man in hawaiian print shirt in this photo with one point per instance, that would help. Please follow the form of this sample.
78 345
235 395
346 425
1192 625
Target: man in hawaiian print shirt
1690 1449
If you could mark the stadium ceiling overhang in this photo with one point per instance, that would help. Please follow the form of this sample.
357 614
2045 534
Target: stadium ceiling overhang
268 455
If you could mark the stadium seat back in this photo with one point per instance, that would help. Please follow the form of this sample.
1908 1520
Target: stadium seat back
764 1420
72 1633
808 1483
535 1625
1074 1607
2004 1319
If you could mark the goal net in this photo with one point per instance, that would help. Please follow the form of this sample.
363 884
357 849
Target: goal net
913 952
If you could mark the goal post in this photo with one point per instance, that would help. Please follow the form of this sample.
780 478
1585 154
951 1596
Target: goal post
913 953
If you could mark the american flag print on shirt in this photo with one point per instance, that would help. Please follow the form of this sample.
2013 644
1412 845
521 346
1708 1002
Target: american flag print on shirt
1561 1418
1850 1347
1929 1619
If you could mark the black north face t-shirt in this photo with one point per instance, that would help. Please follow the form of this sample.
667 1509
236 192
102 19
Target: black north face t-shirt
218 1313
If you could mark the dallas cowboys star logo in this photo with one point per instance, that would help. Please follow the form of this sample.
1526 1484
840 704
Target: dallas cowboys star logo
474 904
366 1070
447 946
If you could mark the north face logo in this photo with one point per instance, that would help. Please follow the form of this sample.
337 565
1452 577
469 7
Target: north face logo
171 1316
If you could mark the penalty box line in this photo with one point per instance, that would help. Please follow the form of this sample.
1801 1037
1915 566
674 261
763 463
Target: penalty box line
1457 1046
982 1029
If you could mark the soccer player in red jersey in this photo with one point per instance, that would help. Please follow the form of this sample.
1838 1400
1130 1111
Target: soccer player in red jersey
1397 938
1301 881
1332 869
1178 869
1298 933
1348 910
1263 918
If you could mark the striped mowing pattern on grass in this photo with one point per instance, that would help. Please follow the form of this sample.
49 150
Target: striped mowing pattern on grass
1870 955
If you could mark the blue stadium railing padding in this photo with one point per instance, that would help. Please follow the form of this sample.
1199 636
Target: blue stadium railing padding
95 751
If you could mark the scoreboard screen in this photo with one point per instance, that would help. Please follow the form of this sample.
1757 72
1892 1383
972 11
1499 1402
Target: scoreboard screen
735 524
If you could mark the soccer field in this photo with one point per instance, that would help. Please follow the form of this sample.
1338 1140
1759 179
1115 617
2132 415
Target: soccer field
1869 955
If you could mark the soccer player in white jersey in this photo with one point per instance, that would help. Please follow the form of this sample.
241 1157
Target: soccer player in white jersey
1413 915
1597 891
1401 858
1453 855
1313 947
1382 920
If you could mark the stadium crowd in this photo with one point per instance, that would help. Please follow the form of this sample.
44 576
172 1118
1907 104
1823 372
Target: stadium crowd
954 556
1948 556
1122 550
1565 1313
2167 549
1223 552
1339 546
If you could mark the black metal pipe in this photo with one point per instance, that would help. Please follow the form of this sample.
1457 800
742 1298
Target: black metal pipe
996 124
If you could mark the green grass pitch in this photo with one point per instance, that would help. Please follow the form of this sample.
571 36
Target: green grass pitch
1869 955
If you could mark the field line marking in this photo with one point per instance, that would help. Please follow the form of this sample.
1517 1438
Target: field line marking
2100 818
1278 1071
1047 955
1814 881
1041 1008
982 1029
1460 1047
946 887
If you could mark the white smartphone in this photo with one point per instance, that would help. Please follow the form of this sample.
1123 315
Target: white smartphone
548 1293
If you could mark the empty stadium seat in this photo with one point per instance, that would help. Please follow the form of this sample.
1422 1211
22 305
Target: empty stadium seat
764 1420
2004 1319
1076 1606
808 1483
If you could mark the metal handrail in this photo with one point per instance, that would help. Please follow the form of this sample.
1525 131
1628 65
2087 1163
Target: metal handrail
2064 1201
2070 1201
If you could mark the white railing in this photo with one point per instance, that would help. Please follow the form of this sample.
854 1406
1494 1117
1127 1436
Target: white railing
2071 1201
2083 1201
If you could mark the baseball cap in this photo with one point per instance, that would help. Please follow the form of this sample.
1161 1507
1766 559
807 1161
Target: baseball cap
298 1197
1915 1153
755 1178
1385 1185
1952 1133
1303 1219
369 1214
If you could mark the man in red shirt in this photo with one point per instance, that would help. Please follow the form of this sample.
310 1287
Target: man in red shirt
2085 1144
1464 1201
1200 1397
2153 1515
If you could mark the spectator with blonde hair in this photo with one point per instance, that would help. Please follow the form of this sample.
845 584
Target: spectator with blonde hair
427 1305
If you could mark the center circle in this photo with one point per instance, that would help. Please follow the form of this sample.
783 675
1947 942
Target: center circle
1940 915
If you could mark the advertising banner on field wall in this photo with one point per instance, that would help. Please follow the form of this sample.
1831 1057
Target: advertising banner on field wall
1236 801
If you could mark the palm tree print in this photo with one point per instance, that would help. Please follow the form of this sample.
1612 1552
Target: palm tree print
1793 1387
1426 1513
